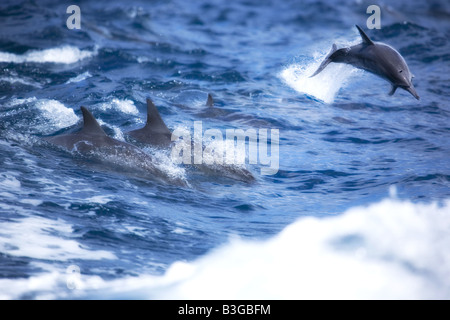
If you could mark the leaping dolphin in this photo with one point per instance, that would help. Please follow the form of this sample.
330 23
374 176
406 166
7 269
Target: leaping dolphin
377 58
92 142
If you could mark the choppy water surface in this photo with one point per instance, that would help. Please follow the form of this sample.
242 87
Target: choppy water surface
68 223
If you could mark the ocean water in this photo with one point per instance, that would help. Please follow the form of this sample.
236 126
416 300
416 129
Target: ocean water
359 206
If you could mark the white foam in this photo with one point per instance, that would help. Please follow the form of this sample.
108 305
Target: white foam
164 162
143 59
326 85
57 113
64 54
323 86
123 105
16 101
100 199
118 133
34 202
79 78
42 238
23 81
388 250
9 182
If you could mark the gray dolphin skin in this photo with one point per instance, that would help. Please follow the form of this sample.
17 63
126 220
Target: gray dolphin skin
92 142
209 101
155 131
377 58
88 139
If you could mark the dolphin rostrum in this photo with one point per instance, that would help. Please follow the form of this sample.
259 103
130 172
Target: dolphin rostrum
377 58
92 142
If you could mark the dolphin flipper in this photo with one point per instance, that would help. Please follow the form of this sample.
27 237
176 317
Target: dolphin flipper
393 90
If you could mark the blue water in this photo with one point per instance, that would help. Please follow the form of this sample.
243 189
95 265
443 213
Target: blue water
340 147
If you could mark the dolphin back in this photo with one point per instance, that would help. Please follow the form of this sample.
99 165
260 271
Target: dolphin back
365 38
155 131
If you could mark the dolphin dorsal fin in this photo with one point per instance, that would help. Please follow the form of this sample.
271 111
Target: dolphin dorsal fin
364 36
154 120
210 101
91 125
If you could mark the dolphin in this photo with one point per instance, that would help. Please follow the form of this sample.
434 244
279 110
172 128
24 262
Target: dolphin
155 131
209 101
92 142
377 58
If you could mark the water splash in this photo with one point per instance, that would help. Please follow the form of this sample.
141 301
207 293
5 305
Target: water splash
323 86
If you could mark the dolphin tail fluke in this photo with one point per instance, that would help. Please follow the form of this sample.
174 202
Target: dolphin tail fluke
334 53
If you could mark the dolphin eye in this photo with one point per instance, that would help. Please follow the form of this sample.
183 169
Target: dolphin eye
400 71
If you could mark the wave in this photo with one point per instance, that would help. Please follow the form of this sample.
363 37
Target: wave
122 105
23 81
79 78
53 115
388 250
16 241
64 54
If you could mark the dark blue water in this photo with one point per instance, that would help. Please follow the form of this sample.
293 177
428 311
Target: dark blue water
338 149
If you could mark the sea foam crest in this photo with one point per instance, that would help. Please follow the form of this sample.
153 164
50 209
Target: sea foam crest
389 250
65 54
79 78
23 81
122 105
57 113
53 115
40 238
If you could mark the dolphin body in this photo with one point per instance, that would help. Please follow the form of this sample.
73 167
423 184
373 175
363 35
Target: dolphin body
156 134
155 131
92 142
377 58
